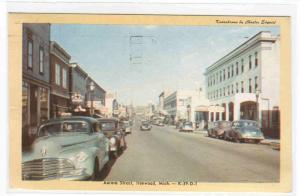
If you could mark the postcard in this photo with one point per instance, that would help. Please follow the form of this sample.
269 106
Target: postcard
150 103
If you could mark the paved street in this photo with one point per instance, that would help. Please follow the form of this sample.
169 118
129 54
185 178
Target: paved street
164 154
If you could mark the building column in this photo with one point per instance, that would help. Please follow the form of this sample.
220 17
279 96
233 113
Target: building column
215 116
221 116
227 111
236 109
209 120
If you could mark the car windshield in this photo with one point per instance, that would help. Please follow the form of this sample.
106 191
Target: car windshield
107 126
63 127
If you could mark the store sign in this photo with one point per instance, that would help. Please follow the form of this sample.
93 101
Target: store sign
77 98
96 104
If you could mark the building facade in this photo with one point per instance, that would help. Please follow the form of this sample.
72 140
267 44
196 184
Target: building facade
59 80
78 88
245 82
35 77
97 96
111 104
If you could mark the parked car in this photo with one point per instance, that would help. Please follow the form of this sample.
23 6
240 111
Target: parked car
112 130
211 127
220 128
244 131
126 127
145 126
70 148
187 127
160 123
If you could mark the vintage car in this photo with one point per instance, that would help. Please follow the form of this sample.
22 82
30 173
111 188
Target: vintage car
70 148
220 128
145 126
187 127
126 127
211 127
243 131
111 129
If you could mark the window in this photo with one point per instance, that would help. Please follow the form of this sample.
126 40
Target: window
217 93
217 77
64 78
232 71
220 76
57 74
29 53
41 60
25 103
224 93
242 68
256 60
237 69
250 87
237 87
250 63
256 84
228 90
43 104
223 74
232 89
228 72
214 80
242 87
220 90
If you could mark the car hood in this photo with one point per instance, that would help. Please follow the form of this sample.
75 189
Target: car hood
54 146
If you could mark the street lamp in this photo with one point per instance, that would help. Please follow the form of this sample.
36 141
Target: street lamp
257 92
92 87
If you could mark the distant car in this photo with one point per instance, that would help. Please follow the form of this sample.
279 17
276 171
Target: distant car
145 126
211 128
187 127
126 127
220 128
112 130
71 148
244 131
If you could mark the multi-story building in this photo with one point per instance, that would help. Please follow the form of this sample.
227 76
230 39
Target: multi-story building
181 105
35 76
111 104
77 86
59 80
247 79
97 95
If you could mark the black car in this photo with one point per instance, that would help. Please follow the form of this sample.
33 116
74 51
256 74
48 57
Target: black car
112 130
145 126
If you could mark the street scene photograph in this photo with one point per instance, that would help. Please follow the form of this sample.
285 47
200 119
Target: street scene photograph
150 103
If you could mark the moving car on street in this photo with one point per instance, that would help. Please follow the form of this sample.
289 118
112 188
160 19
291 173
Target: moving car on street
244 131
145 126
112 130
71 148
187 127
126 127
220 128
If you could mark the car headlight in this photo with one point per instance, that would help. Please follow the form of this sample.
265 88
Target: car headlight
80 157
112 140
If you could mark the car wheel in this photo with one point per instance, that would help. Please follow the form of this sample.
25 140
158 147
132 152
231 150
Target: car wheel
95 171
236 139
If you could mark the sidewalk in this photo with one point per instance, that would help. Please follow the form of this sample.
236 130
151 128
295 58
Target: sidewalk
274 143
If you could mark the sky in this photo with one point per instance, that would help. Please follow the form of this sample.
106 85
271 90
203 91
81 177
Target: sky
139 62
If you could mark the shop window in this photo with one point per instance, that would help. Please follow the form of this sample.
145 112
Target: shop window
25 105
43 104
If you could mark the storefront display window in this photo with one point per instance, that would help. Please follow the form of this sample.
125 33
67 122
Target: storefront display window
25 105
44 104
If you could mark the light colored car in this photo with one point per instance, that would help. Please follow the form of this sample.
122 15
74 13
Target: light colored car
244 131
71 148
145 126
126 127
187 127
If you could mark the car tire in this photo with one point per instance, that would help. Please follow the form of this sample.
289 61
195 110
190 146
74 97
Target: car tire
236 140
95 171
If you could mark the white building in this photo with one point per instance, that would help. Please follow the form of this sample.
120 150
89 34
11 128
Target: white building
247 75
111 104
181 104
